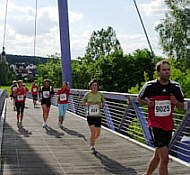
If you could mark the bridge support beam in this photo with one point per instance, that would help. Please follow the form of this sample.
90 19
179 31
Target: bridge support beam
65 41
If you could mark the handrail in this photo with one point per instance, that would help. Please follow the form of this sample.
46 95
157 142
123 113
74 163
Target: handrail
123 114
3 96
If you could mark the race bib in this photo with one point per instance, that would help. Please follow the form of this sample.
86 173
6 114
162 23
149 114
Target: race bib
34 89
14 88
162 108
46 94
63 97
94 110
20 97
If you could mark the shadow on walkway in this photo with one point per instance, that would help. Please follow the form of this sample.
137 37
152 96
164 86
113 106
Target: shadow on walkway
51 131
113 166
24 132
74 133
17 156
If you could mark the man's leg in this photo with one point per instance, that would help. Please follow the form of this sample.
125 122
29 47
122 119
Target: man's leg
153 163
163 154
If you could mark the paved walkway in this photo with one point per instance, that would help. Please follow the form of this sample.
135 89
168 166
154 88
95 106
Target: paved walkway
34 150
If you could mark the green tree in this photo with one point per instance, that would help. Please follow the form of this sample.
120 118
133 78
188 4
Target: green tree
81 74
118 72
143 63
51 70
6 76
173 31
102 43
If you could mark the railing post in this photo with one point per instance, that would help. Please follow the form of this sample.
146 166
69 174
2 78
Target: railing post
143 121
180 144
108 116
127 117
78 102
72 103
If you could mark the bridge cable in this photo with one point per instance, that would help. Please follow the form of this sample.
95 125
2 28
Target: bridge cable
35 28
5 27
153 55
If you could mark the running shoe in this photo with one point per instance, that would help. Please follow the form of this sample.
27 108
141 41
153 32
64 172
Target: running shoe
93 149
20 125
44 125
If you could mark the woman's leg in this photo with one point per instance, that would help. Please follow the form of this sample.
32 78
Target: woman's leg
45 109
65 106
92 135
97 132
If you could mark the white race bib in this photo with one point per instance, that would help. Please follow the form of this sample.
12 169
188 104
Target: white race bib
34 89
94 110
20 97
46 94
63 97
162 108
14 88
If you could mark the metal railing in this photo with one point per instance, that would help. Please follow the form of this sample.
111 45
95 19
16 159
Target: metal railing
123 114
3 96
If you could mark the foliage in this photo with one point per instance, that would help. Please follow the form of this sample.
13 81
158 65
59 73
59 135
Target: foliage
178 75
81 74
115 72
12 59
6 76
135 131
51 70
173 31
102 43
135 89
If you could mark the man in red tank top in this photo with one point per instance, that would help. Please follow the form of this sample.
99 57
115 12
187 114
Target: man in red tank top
161 96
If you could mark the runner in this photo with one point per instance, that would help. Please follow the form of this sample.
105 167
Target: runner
161 96
34 91
13 88
63 95
26 91
45 94
94 100
20 102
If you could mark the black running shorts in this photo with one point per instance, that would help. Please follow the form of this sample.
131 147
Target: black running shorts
160 137
19 107
35 97
46 102
96 121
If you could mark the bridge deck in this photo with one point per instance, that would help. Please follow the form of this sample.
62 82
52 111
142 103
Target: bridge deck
34 150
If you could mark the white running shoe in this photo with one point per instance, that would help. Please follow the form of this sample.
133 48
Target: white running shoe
44 125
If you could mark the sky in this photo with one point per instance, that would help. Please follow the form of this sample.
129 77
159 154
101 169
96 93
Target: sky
85 16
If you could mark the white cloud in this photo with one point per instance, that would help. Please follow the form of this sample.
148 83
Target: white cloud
155 8
73 17
131 42
20 29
